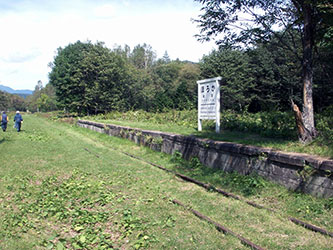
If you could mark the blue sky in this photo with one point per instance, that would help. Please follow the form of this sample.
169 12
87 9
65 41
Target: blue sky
32 30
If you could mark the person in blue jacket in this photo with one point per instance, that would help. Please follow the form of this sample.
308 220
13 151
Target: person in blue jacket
4 121
18 119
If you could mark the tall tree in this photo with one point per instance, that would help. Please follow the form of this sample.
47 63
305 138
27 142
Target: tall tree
233 66
89 78
277 74
143 56
246 22
66 75
166 58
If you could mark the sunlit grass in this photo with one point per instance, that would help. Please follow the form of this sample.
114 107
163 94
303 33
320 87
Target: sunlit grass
317 147
59 180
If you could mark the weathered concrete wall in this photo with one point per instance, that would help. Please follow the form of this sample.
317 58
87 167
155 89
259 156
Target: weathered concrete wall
295 171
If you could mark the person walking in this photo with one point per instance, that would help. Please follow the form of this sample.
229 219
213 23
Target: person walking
4 121
18 120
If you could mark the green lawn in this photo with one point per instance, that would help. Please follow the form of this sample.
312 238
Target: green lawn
64 187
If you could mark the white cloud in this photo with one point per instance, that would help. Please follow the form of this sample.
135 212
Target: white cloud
33 30
21 57
104 11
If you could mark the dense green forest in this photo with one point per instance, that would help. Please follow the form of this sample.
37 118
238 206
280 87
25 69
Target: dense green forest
299 27
89 78
262 69
11 102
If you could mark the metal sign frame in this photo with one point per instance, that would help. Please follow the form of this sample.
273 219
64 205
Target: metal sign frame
209 101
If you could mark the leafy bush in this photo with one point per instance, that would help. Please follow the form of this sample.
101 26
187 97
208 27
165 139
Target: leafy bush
245 184
271 124
325 124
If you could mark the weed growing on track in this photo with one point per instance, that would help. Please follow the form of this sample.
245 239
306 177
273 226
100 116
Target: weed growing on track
78 210
74 211
253 187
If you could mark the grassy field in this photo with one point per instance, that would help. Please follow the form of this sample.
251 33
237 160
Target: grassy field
272 130
64 187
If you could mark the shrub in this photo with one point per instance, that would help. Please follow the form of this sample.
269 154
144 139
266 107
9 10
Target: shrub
324 124
270 124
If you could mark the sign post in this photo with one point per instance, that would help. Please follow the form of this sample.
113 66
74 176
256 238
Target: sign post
209 101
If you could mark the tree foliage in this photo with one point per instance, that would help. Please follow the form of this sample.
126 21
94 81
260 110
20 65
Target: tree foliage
4 101
43 99
266 76
11 102
174 85
263 77
234 22
142 56
89 78
237 84
253 21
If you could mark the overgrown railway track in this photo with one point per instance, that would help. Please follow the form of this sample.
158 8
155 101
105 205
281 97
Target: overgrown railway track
210 187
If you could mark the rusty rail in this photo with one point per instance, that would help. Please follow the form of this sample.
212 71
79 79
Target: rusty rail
96 155
219 226
227 194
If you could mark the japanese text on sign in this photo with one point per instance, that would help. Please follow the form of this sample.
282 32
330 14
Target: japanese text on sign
208 94
209 101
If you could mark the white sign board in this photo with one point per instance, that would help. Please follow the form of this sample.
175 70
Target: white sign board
209 101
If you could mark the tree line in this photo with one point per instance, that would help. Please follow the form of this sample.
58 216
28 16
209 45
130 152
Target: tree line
43 99
268 49
91 78
10 102
278 56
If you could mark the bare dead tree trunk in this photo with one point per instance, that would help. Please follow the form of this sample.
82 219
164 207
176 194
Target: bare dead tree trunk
304 134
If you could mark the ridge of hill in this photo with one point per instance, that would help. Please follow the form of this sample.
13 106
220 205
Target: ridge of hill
13 91
21 92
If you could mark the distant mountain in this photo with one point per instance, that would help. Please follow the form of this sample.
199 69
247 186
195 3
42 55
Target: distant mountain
22 92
